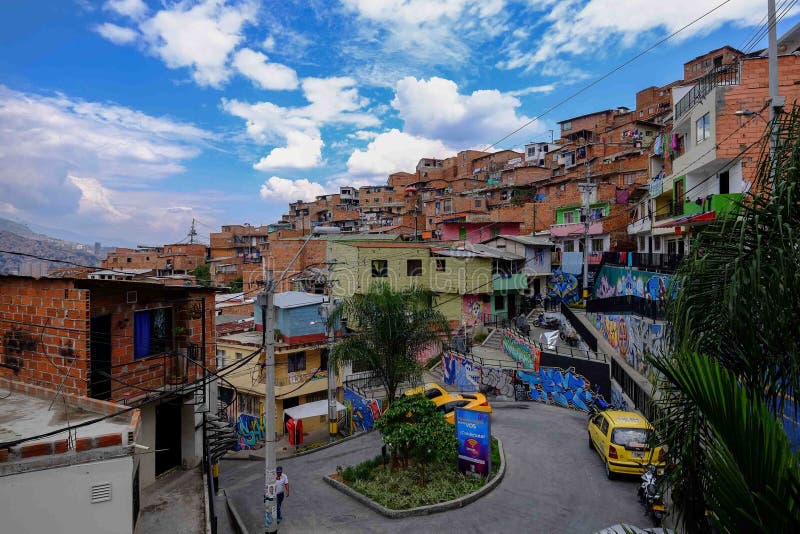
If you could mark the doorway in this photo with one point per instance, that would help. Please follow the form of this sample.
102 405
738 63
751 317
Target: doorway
100 362
168 435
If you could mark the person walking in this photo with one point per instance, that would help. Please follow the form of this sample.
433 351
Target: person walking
281 489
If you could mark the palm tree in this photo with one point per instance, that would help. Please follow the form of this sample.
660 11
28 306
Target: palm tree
738 306
391 329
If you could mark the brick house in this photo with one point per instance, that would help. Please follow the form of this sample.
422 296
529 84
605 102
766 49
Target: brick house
133 343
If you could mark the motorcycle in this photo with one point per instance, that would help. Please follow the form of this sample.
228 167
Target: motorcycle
547 322
650 497
597 405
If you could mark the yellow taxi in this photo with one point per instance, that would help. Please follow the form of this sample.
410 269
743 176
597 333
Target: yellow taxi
621 439
447 402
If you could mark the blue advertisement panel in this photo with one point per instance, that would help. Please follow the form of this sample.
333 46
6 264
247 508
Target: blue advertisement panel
473 432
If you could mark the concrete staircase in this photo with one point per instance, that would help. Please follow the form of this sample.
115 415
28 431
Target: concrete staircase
494 341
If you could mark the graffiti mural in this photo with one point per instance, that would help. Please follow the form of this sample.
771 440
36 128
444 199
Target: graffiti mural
250 430
521 350
363 412
460 372
563 287
623 282
634 337
473 308
497 381
554 385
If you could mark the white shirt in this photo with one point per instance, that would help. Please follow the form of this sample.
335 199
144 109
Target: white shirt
280 483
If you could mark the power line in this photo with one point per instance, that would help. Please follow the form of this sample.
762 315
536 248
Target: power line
607 75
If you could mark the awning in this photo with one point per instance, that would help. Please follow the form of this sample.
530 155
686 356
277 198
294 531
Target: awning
311 409
691 220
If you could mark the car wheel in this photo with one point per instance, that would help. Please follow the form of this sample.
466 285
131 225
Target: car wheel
609 473
591 445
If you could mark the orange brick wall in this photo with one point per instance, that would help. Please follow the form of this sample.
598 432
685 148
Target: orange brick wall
44 325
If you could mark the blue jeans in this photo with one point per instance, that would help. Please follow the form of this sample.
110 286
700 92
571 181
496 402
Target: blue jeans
280 501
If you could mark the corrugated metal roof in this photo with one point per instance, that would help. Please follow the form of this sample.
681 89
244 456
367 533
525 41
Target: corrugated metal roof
295 299
492 252
529 239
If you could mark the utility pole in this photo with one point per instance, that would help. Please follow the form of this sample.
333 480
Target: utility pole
192 233
333 416
268 342
586 188
776 102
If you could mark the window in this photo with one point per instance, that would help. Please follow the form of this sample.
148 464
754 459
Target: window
569 246
413 267
441 265
152 332
569 217
297 362
477 203
128 260
630 177
565 126
597 245
641 244
604 427
718 61
656 243
499 303
641 113
379 269
703 130
239 356
724 183
448 206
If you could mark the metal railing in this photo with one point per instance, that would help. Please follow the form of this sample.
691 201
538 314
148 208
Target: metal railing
652 309
644 260
560 350
724 75
588 337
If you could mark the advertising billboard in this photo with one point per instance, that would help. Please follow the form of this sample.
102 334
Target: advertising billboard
473 432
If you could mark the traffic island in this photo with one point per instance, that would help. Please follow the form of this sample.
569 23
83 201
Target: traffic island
405 490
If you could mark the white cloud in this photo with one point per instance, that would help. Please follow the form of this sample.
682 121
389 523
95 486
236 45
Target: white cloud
116 34
285 190
127 8
578 27
331 101
363 135
201 37
63 159
96 199
269 43
534 89
264 74
435 109
393 151
302 151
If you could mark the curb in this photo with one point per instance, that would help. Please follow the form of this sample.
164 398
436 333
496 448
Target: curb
235 513
254 458
431 508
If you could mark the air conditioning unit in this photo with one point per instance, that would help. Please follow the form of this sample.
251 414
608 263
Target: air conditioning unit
131 297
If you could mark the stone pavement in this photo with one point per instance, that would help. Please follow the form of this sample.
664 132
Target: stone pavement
554 483
173 504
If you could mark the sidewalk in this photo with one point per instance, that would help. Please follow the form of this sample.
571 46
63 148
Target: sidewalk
173 504
284 450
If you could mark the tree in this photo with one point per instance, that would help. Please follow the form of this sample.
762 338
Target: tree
203 274
738 307
413 429
390 329
236 284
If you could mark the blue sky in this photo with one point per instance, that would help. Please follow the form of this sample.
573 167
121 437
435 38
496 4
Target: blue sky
124 119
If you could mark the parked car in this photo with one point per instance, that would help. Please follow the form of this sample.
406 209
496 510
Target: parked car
470 401
622 441
431 391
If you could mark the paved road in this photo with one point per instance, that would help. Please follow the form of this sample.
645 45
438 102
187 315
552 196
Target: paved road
554 483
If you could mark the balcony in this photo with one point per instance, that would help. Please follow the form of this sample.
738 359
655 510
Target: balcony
575 229
639 226
650 261
594 257
724 75
509 282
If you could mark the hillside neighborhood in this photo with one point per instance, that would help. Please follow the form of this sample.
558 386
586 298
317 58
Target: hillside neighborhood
432 350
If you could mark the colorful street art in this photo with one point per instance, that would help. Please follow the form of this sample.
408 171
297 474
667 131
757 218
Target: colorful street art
521 350
563 287
249 430
634 337
551 385
623 281
460 372
363 412
473 309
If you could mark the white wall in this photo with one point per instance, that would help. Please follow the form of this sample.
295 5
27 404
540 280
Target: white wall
59 499
147 437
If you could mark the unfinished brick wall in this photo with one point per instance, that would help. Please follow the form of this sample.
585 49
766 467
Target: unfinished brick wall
44 331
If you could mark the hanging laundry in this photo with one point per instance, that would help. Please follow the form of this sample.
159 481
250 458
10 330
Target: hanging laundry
675 142
657 146
622 196
580 153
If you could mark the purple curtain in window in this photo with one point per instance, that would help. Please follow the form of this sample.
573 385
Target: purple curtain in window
141 334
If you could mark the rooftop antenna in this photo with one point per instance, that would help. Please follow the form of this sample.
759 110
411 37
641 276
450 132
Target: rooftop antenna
192 233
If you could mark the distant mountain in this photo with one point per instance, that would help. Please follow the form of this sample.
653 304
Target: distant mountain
18 237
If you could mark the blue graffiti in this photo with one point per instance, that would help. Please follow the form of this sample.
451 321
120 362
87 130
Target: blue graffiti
460 372
364 411
554 385
250 430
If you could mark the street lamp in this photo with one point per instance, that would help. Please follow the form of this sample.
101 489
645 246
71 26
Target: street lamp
748 113
267 302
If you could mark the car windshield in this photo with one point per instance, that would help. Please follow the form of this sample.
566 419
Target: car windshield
630 437
432 393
